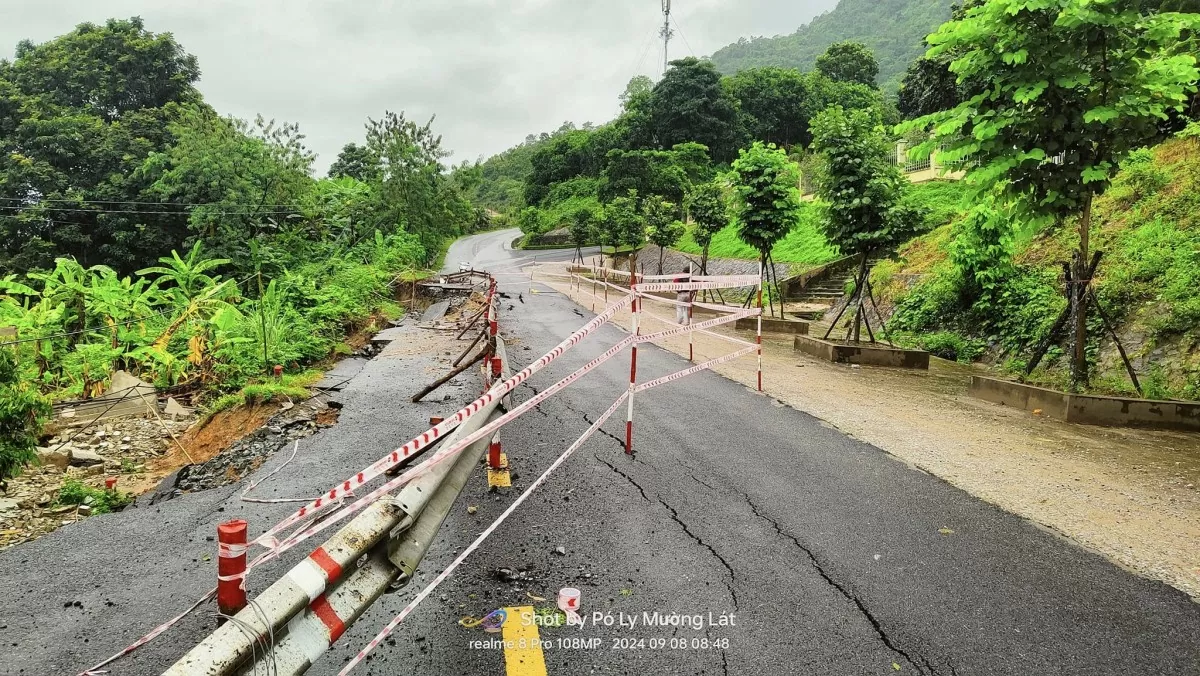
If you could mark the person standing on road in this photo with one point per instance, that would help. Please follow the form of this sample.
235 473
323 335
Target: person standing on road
681 311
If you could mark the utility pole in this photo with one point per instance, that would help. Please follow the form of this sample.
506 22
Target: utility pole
666 35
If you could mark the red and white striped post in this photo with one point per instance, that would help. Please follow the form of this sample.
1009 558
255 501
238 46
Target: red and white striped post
691 297
494 452
758 338
634 309
231 566
493 323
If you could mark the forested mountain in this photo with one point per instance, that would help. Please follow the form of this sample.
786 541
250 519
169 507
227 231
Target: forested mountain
893 29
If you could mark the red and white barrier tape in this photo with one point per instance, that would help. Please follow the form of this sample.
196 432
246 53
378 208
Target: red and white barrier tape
154 633
728 319
695 369
450 451
369 473
725 283
424 593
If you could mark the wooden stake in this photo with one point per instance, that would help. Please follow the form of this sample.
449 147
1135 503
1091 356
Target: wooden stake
483 354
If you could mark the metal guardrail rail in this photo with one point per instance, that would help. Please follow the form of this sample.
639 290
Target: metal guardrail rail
287 627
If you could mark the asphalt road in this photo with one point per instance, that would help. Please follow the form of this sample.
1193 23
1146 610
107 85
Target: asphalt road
832 556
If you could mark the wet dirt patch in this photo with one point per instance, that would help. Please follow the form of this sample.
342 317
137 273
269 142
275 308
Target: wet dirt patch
249 452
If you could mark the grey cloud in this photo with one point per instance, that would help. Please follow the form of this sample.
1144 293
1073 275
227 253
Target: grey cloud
492 71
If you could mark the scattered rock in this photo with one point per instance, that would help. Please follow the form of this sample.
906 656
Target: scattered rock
472 509
53 458
561 551
8 505
82 457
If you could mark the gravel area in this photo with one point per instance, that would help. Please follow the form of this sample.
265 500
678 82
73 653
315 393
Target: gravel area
1130 495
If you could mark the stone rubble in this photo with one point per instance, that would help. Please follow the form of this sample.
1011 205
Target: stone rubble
249 453
115 448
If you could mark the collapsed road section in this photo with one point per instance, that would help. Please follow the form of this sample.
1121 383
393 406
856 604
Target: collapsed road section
302 614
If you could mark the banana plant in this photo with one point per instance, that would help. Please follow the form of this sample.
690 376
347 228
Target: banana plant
67 284
119 300
187 275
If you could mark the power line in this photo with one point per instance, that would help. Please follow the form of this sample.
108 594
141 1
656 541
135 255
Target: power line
248 212
685 40
180 204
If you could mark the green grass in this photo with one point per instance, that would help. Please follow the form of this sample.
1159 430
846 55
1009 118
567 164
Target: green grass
943 200
804 244
292 386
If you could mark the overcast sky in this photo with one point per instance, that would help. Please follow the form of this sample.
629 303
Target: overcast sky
492 71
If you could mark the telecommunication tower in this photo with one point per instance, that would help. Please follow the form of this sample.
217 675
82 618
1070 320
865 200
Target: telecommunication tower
666 34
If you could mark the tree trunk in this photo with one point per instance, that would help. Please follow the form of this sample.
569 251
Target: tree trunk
704 270
858 288
661 251
1079 366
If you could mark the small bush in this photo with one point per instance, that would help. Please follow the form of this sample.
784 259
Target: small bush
949 345
102 501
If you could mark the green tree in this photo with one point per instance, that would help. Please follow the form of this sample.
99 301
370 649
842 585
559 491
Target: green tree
668 173
862 189
78 115
584 224
355 162
849 61
1057 94
413 191
108 70
22 413
927 88
689 104
766 188
662 224
710 214
773 103
625 226
638 89
241 180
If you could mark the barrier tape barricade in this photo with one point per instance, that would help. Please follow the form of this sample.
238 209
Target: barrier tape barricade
330 508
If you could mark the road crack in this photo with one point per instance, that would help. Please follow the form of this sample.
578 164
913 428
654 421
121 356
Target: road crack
920 662
688 531
700 541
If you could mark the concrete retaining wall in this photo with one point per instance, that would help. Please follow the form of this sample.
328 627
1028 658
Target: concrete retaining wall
866 354
786 326
1086 409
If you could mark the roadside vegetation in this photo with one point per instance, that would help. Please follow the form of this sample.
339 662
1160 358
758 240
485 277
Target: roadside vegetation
141 230
1065 155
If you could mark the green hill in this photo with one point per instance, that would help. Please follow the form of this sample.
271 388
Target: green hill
893 29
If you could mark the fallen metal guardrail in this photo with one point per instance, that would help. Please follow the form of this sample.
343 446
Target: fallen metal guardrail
295 620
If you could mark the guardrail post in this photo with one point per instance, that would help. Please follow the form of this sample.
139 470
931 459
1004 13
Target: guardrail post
758 338
231 566
636 307
494 461
691 298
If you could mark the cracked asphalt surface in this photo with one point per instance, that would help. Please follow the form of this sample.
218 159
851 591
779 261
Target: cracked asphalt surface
833 556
